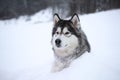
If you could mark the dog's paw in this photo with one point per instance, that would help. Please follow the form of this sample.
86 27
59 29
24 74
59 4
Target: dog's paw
55 69
59 66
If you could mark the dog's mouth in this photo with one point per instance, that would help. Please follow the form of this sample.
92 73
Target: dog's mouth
60 46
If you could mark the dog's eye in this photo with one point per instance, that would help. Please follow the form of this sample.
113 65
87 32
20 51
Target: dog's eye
67 33
57 32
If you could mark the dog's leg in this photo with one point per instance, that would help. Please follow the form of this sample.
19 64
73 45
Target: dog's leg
59 65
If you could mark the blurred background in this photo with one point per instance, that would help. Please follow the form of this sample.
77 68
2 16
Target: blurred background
25 39
15 8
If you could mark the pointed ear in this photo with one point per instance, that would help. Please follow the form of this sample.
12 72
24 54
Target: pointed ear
56 18
76 21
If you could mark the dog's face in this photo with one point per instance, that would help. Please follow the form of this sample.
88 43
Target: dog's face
64 35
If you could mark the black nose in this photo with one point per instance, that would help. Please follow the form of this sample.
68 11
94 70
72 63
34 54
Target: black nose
58 41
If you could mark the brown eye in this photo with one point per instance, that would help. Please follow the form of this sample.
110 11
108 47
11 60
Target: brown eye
57 32
67 33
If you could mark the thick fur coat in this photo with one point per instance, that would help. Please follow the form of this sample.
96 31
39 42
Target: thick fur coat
68 41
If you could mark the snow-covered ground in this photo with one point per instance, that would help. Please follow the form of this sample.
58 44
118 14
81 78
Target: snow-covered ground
26 53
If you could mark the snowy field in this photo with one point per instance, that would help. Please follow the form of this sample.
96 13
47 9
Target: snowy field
26 51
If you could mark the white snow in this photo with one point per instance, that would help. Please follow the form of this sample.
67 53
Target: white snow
26 52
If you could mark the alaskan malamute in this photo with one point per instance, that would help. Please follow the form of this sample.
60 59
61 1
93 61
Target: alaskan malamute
68 41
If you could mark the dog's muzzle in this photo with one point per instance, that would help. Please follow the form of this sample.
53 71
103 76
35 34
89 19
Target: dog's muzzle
58 42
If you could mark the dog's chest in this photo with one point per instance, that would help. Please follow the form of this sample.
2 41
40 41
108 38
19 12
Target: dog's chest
64 52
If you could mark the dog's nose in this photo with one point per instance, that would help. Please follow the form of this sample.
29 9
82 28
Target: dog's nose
58 41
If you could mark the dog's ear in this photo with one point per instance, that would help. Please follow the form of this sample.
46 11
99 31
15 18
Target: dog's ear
88 45
76 21
56 18
85 46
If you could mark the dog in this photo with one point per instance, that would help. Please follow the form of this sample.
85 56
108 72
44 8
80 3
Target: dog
68 41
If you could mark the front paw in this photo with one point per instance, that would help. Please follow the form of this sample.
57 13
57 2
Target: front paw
59 65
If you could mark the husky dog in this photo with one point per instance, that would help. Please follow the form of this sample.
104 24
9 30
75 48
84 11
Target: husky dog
68 41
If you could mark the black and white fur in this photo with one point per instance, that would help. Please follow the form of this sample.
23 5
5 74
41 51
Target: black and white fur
68 41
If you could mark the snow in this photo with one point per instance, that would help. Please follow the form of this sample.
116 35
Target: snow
26 52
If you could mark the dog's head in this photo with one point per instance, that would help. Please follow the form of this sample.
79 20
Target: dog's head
64 34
